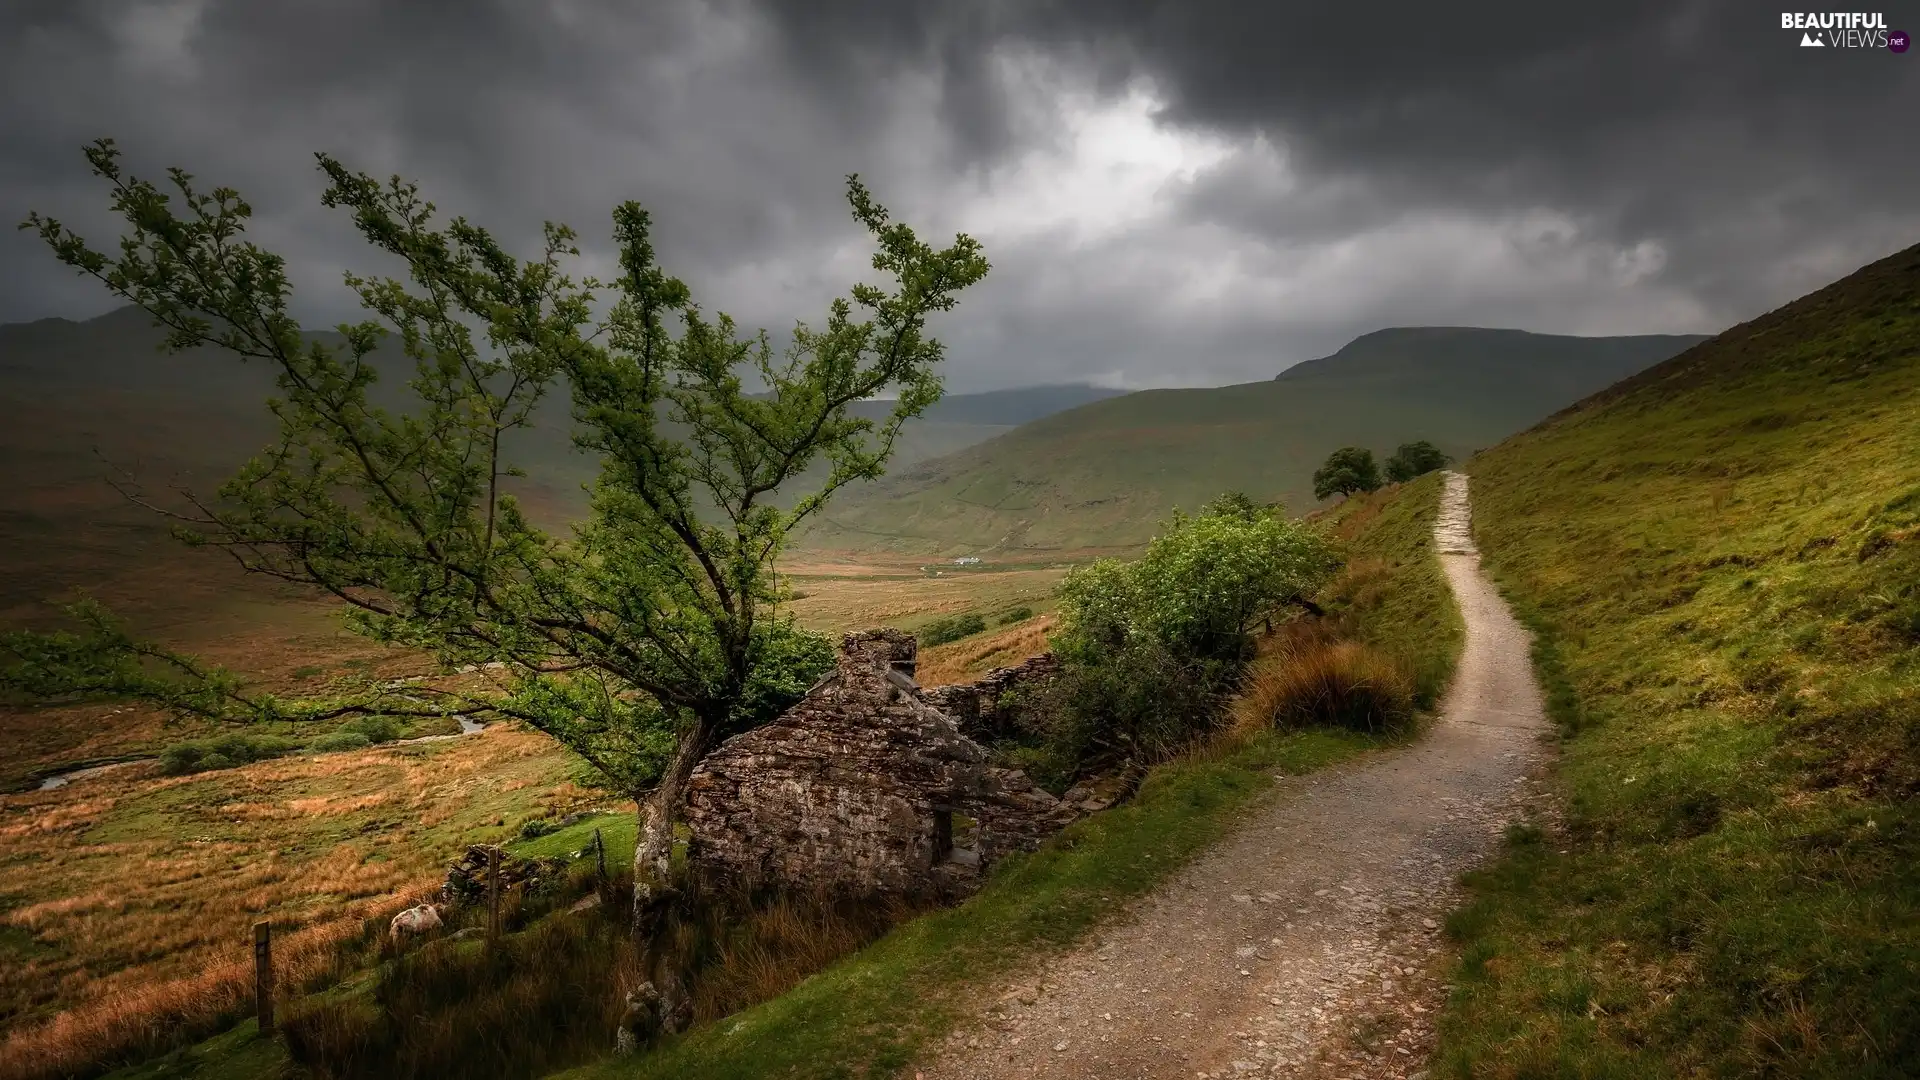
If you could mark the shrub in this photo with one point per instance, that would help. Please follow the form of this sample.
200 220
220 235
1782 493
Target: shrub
336 741
1019 614
1322 683
535 828
942 631
1150 649
1138 704
222 752
181 758
244 748
377 729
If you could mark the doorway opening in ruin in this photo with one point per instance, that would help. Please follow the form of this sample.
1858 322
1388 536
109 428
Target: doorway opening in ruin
956 838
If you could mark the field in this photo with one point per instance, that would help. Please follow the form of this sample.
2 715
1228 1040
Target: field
1722 559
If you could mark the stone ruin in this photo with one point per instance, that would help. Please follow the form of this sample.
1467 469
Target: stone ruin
865 787
995 707
466 881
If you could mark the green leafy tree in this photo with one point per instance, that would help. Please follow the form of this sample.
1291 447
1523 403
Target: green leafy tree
1348 470
1415 459
639 640
1233 503
1148 646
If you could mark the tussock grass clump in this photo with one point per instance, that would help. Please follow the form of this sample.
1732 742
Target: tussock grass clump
1342 684
1392 594
736 951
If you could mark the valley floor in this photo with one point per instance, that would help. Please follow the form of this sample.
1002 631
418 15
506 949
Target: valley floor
1307 943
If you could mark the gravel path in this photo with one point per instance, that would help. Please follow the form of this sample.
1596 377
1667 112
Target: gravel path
1306 944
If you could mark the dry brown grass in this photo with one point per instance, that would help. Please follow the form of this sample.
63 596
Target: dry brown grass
149 1019
756 952
968 659
130 893
1311 676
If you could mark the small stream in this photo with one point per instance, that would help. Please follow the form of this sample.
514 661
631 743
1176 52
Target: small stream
60 780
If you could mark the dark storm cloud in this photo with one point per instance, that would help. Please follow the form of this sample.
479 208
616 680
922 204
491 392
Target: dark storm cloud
1170 192
1700 123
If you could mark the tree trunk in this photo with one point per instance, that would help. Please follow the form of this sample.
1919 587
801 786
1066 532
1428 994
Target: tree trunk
653 851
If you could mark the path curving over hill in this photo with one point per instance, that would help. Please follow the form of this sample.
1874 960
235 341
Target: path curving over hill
1306 944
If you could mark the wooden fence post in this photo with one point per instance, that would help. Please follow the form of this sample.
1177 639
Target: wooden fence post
493 894
263 975
600 848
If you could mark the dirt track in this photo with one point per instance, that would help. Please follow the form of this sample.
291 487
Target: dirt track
1307 944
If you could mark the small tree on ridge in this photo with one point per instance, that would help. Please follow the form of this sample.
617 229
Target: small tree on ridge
1348 470
1415 459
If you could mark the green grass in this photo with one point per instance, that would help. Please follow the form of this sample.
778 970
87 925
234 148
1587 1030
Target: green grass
1721 560
1104 475
873 1012
617 830
237 1054
1393 590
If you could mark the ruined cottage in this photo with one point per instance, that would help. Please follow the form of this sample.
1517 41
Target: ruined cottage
997 706
862 788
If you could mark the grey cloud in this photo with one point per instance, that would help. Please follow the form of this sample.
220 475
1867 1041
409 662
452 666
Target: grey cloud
1623 167
1700 124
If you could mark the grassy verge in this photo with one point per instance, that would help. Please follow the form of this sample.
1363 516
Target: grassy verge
1722 564
1393 593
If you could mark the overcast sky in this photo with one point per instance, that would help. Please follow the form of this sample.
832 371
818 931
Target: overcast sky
1171 193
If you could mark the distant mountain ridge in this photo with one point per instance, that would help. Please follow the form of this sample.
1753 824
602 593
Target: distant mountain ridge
120 350
1384 351
1103 475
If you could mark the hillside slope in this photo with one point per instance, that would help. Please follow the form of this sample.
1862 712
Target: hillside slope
84 401
1102 475
1722 557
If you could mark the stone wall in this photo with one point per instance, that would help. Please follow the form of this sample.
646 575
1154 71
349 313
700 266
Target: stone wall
992 708
857 788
